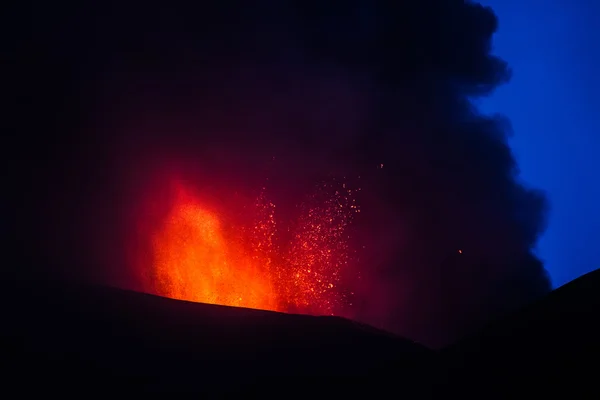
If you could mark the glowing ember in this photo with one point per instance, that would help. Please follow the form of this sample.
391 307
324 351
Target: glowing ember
268 263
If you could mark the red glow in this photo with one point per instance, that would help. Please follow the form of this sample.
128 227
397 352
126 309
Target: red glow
202 253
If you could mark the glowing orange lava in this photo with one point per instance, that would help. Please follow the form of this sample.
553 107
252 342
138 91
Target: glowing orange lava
193 260
197 257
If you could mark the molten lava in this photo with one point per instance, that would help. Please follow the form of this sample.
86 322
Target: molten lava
194 261
268 263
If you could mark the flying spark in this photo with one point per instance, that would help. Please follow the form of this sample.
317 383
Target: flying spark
197 256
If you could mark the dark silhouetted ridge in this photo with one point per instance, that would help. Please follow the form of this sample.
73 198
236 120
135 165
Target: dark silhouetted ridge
111 337
63 337
551 342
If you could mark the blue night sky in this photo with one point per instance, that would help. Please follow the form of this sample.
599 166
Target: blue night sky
553 104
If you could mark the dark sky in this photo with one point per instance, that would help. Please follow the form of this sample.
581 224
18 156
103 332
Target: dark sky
552 47
106 94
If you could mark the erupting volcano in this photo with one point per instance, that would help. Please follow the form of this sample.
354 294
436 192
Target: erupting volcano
254 257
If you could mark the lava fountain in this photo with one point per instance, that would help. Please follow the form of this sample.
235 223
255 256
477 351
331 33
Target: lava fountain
258 258
194 260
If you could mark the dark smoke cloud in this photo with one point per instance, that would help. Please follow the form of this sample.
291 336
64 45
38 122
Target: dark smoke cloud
106 93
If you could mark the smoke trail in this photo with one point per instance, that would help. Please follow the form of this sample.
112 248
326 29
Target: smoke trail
383 90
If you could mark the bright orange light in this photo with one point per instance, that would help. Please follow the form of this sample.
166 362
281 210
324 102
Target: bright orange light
195 256
193 260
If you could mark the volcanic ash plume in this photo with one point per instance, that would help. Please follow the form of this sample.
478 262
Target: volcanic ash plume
248 108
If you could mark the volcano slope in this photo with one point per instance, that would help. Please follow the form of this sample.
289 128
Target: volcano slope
65 337
551 344
60 338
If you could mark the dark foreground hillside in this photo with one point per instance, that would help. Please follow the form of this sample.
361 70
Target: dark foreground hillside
65 338
74 338
549 346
